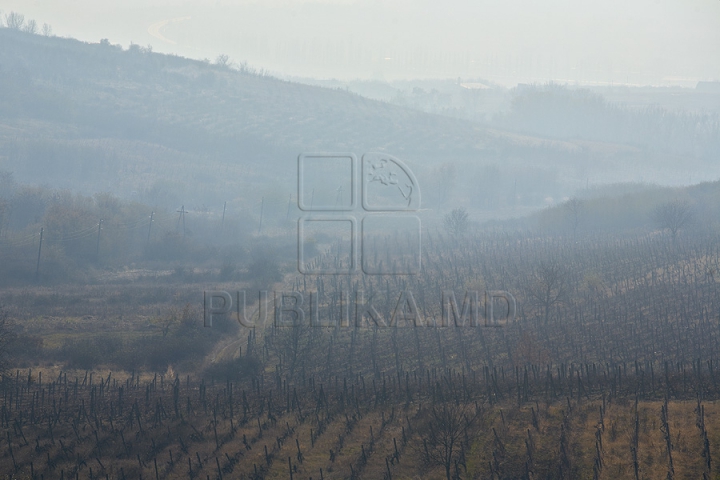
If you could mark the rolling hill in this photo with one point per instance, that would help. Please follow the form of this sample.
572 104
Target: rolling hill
168 130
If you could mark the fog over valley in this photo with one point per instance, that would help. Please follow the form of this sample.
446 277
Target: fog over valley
359 239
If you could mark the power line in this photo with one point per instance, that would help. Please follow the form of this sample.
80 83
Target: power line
152 214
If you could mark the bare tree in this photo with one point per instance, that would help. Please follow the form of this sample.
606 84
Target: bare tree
456 222
46 30
223 61
447 432
673 216
547 287
14 20
31 27
575 209
296 346
167 322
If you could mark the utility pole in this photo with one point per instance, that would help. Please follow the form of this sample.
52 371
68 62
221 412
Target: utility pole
222 223
37 267
262 208
182 216
97 247
152 214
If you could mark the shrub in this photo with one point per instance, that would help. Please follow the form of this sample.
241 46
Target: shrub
236 369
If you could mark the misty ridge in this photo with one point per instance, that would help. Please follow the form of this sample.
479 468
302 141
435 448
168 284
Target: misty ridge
157 132
95 131
104 110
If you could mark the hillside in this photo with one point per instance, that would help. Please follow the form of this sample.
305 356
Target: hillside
75 113
168 130
628 209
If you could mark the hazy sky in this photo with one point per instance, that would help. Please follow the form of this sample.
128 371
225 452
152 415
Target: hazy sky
506 41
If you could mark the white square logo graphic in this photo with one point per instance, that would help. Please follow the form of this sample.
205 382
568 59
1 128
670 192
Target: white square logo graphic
327 182
326 245
390 238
